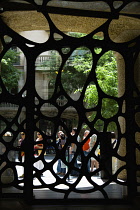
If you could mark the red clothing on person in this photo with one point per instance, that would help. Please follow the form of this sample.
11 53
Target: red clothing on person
86 145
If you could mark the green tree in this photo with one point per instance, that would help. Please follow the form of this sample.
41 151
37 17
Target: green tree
76 70
106 72
9 73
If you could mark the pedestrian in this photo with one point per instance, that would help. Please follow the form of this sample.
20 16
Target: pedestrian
21 144
58 141
94 162
86 148
38 150
72 151
61 167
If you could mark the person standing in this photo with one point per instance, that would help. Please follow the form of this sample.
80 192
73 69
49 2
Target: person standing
86 148
21 143
58 142
94 162
38 148
72 151
61 167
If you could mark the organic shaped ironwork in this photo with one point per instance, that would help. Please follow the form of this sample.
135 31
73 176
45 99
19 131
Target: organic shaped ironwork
27 96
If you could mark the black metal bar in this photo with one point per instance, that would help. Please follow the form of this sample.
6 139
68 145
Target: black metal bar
82 202
58 10
29 152
83 13
130 127
130 15
105 154
15 6
10 6
68 160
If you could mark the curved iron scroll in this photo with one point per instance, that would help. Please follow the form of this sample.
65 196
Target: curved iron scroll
129 51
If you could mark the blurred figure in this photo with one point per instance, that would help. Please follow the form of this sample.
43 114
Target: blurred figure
86 148
49 148
38 148
58 136
8 133
94 162
114 159
60 143
59 147
63 166
72 151
21 144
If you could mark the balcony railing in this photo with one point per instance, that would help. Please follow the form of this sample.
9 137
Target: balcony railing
41 59
8 105
44 62
47 108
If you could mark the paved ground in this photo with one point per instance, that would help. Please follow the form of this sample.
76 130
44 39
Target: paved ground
113 190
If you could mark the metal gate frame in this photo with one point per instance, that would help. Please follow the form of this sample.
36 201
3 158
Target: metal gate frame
129 54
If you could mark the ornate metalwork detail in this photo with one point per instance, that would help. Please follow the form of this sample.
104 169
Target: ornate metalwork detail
129 51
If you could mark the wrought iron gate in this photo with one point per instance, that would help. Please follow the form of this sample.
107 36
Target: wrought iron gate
129 51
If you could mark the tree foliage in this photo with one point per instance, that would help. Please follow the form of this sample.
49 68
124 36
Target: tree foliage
106 74
10 74
77 69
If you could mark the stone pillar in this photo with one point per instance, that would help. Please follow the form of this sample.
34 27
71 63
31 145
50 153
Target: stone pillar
121 86
124 37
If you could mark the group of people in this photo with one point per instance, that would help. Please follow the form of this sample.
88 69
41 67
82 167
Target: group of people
87 147
37 147
60 141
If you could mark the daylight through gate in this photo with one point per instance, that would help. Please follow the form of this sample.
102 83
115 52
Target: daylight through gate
29 101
